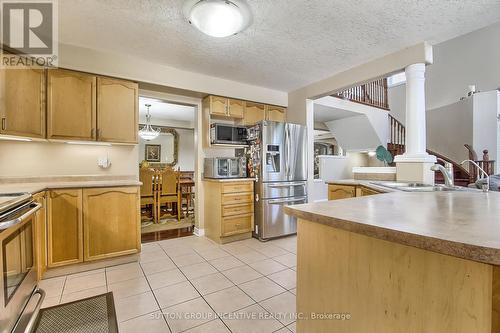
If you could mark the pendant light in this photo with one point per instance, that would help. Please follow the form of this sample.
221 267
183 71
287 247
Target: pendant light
218 18
148 132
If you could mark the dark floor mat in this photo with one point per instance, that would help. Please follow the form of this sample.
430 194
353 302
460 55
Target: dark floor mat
90 315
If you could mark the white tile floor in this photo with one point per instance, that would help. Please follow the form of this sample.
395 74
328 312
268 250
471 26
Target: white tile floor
193 285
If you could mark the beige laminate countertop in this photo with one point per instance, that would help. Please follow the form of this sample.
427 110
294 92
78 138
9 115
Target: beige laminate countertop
461 224
228 180
365 183
38 184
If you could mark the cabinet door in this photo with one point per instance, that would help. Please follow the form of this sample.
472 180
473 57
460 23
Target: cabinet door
254 112
364 191
41 235
117 110
336 192
236 108
111 222
71 105
22 102
275 113
64 227
218 105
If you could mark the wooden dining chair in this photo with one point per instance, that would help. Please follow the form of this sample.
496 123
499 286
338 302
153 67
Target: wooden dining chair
169 191
148 178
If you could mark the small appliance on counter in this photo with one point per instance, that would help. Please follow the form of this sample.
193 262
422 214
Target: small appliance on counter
228 135
225 167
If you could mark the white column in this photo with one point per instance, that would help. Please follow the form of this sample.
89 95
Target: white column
416 144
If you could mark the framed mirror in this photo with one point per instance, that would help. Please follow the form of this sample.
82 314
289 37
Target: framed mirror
166 146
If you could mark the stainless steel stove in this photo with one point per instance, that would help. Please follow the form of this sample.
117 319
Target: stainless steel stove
20 300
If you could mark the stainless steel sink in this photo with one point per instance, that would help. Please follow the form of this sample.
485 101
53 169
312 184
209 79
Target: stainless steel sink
419 187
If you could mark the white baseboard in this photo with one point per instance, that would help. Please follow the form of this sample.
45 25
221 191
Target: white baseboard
199 232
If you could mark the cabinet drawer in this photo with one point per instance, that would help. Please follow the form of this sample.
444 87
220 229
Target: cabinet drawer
237 209
237 187
237 224
237 198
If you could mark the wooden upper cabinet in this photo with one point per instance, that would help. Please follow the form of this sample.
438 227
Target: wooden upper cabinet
275 113
225 107
117 110
111 222
218 105
22 102
71 105
64 227
254 112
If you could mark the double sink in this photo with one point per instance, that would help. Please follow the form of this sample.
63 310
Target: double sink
419 187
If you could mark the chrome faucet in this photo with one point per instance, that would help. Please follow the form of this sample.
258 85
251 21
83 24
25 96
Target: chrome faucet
484 187
447 171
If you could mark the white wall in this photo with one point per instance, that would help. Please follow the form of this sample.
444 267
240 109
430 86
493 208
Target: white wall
486 122
54 159
186 152
473 58
449 128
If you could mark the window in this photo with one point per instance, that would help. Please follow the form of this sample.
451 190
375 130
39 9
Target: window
396 79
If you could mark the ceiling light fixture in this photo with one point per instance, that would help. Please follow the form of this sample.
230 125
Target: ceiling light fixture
218 18
148 132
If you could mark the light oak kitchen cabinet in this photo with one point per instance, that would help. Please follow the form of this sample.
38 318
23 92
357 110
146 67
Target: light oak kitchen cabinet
41 234
71 105
224 107
117 110
254 112
22 102
229 210
64 227
275 113
111 222
342 191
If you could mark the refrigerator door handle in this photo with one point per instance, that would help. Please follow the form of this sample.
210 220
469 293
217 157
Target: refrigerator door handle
278 185
287 152
280 201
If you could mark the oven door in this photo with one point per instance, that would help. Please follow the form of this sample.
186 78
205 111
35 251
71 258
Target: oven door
17 261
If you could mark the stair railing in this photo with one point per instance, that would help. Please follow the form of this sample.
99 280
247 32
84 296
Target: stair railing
373 93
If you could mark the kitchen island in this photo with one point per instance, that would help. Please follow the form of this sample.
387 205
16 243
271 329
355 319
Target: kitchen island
399 262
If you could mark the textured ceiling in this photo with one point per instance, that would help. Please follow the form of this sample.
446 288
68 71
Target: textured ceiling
291 43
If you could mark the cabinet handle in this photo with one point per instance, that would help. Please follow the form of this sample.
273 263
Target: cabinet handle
4 124
92 133
98 133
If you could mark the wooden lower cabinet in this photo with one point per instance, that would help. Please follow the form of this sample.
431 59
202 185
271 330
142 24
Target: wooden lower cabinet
91 224
110 222
41 235
229 210
64 227
338 191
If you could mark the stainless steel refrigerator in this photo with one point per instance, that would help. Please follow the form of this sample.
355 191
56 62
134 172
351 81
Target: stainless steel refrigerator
278 158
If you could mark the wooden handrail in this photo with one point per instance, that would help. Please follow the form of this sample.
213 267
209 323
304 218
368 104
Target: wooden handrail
372 93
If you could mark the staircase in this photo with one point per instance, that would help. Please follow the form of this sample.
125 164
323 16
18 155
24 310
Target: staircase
375 94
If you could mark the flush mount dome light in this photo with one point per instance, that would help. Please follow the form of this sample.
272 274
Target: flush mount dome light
218 18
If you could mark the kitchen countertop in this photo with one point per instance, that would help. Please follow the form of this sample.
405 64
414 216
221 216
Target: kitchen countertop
225 180
37 184
365 183
460 224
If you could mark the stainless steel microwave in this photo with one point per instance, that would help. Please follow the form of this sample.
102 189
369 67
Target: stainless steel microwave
223 167
228 134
